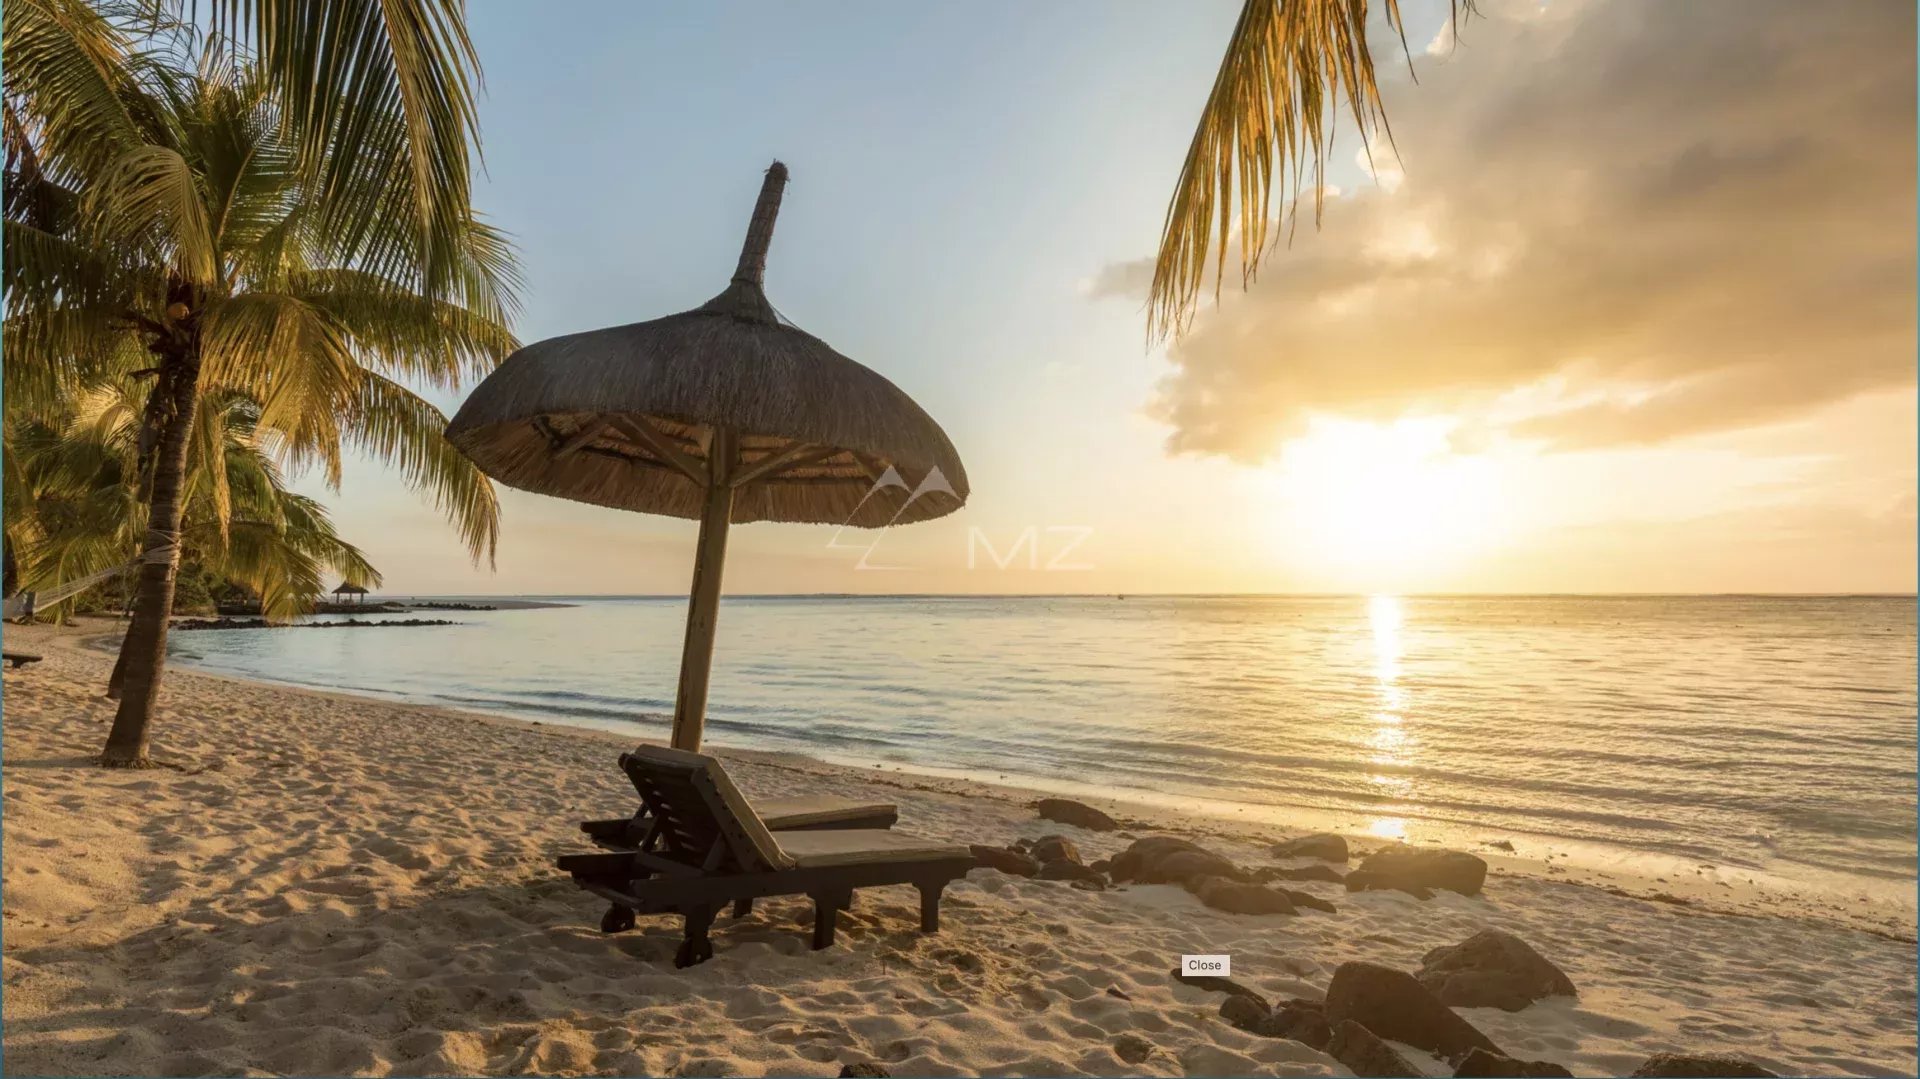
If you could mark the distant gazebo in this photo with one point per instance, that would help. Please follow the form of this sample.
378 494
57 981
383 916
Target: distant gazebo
354 590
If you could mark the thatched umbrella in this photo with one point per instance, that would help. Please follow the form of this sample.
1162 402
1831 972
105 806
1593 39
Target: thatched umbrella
725 413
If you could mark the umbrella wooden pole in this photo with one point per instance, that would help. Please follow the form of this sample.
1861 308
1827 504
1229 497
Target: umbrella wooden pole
703 602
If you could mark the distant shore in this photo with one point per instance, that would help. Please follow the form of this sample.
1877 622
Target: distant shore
312 858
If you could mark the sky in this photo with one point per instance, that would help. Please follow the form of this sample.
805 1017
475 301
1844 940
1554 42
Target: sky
1627 306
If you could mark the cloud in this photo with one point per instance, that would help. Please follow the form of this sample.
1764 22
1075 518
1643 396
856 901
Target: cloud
1619 224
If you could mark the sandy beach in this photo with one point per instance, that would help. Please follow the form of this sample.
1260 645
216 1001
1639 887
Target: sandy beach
324 884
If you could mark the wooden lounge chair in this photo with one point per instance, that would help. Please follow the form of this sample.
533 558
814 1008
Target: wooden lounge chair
803 813
20 659
706 848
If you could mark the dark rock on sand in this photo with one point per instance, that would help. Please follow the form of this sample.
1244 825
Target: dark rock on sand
1323 873
1221 985
1324 846
1304 1021
1699 1066
1078 814
1301 1020
1099 865
1366 1055
1005 860
1492 969
1413 870
1163 859
1132 1048
1247 1013
1185 865
1309 901
1236 898
1054 848
1061 869
1392 1004
1131 864
1480 1064
1116 991
864 1070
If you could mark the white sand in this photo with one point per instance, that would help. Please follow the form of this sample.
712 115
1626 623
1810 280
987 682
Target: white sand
338 886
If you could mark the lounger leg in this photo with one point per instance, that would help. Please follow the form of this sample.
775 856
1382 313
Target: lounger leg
695 947
930 906
826 912
742 907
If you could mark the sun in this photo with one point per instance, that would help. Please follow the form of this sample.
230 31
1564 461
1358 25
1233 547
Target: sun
1382 506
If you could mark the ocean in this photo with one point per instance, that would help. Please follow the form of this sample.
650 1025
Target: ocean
1767 738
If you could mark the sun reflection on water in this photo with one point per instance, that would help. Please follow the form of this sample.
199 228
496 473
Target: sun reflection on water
1391 743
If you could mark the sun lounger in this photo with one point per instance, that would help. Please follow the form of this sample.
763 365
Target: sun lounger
20 659
804 813
706 848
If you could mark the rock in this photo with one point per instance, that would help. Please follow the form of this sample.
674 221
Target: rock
1300 1020
1365 1055
1132 1048
1181 866
1392 1004
1129 864
1078 814
1054 848
1324 846
1221 985
1116 991
1073 871
1699 1066
1304 1021
866 1069
1492 969
1245 1012
1413 870
1237 898
1323 873
1163 859
1099 865
1005 860
1309 901
1502 844
1480 1064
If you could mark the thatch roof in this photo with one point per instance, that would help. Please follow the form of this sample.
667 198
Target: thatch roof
346 589
619 417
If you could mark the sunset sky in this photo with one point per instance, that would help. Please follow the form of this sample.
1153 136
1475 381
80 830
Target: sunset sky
1632 310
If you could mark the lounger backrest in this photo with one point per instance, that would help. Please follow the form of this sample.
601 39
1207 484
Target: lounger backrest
697 805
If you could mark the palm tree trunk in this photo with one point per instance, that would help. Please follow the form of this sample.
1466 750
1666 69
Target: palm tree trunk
143 654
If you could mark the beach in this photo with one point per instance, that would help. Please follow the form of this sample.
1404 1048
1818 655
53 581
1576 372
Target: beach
325 884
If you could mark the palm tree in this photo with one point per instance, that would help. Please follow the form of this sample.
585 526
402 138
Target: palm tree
207 215
1271 116
73 504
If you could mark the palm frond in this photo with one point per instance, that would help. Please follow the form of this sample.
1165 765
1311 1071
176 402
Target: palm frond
403 333
150 196
67 70
397 426
1269 118
368 83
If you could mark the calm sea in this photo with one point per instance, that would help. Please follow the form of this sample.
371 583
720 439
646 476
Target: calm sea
1773 736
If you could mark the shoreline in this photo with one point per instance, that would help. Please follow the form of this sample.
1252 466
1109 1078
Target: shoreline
1691 887
328 883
